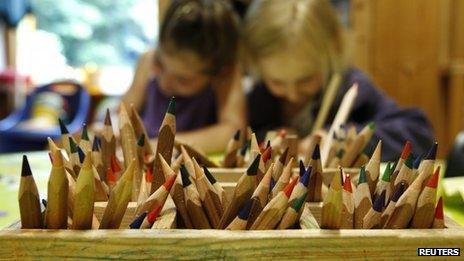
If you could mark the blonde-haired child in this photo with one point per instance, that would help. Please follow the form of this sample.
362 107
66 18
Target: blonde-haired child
196 60
295 47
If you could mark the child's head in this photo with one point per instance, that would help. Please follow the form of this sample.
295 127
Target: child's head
198 42
293 45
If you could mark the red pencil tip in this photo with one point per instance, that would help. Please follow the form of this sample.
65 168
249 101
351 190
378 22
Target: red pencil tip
439 210
267 154
406 150
168 184
289 188
347 184
151 217
433 181
114 164
110 176
149 175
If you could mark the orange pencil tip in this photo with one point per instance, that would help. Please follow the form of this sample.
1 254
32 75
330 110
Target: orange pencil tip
289 188
439 210
433 181
347 184
149 175
110 176
115 167
168 184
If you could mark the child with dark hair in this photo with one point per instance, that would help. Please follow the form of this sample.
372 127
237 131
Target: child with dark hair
196 60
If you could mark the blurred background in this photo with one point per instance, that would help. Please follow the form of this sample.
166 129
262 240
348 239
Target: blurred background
413 50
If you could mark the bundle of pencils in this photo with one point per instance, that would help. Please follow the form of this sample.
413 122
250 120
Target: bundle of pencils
404 197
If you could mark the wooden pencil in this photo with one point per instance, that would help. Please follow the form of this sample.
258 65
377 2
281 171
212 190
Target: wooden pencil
415 168
65 136
307 220
74 157
259 197
84 197
57 195
137 222
129 149
101 189
241 154
405 207
97 158
384 183
119 199
230 158
263 166
373 216
362 199
399 164
193 202
335 162
340 118
327 101
254 147
301 187
315 181
348 204
292 214
274 210
331 217
240 222
151 217
199 155
108 142
439 221
358 145
209 199
373 168
145 186
427 165
425 209
188 163
279 164
85 143
113 172
283 179
219 190
177 194
175 165
139 129
392 204
405 173
167 217
242 192
361 160
158 197
29 199
165 143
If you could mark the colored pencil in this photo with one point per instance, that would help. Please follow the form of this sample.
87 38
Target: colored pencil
427 165
425 209
84 196
399 164
108 142
373 168
193 202
283 179
405 173
29 199
139 129
97 158
85 143
230 158
188 163
240 222
259 197
348 204
439 221
292 214
315 181
358 145
167 217
384 183
373 216
158 197
279 164
242 192
137 222
331 216
74 157
362 199
392 204
165 143
219 190
119 199
151 217
301 187
57 195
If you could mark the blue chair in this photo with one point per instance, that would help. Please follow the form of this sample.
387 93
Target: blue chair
13 138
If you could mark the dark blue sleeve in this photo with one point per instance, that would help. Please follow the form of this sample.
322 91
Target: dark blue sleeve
394 125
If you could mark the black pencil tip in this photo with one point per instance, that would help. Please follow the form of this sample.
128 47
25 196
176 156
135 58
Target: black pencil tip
379 202
253 168
316 152
108 117
432 154
138 221
209 176
63 128
283 156
302 168
237 135
81 154
141 140
172 106
44 202
26 168
185 176
85 133
96 144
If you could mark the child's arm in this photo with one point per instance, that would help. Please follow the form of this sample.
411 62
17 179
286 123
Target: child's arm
143 73
231 116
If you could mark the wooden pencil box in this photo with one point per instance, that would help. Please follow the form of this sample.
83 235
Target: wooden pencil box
222 244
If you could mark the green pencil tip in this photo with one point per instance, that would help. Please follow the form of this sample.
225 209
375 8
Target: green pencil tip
372 125
362 175
141 140
299 202
172 106
409 161
387 173
72 145
85 133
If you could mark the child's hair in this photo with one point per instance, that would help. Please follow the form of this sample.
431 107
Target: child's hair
310 27
208 28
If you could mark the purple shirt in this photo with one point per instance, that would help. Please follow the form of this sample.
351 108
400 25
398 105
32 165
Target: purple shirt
395 125
191 112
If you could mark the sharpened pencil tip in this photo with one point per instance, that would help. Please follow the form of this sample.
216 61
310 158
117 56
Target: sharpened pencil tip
168 184
237 135
305 178
406 150
138 221
387 172
372 125
433 181
316 153
172 106
409 161
439 210
244 213
208 175
398 192
81 154
379 202
185 176
72 145
299 202
362 175
417 162
63 128
432 154
289 188
302 168
96 144
267 154
141 140
347 185
253 169
26 168
85 133
283 156
108 118
153 215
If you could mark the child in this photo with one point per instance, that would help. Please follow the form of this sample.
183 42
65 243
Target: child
195 61
296 46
